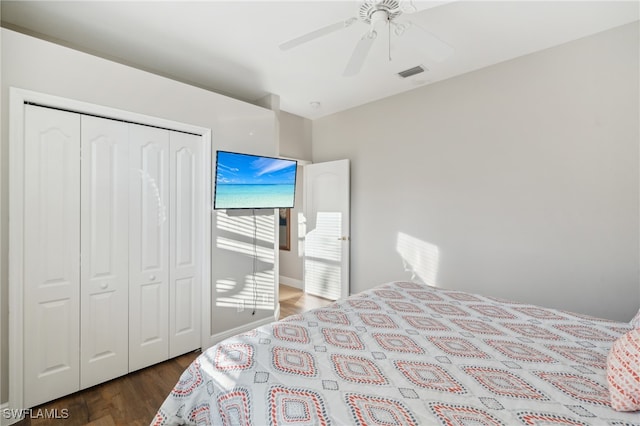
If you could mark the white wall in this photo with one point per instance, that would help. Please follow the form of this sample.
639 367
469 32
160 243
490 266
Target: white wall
41 66
291 261
295 136
519 180
295 142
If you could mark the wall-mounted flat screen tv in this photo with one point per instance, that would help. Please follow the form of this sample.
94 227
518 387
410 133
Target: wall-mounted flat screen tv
245 181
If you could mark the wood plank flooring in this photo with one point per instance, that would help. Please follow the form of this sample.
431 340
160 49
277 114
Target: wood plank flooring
133 399
294 301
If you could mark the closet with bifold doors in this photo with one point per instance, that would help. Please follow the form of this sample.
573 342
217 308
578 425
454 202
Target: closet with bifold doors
112 249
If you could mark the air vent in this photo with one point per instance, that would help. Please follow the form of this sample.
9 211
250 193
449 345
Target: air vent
411 71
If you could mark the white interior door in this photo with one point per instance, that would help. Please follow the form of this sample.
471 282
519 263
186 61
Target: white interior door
148 246
51 254
185 242
104 222
327 238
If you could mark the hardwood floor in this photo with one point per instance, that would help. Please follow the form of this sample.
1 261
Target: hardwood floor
294 301
129 400
133 399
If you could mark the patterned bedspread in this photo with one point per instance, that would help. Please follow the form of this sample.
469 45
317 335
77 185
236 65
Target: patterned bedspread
406 354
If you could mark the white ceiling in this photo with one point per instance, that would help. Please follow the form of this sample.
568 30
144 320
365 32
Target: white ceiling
231 47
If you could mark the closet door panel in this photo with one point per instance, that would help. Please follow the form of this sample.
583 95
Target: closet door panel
185 237
51 254
105 246
148 246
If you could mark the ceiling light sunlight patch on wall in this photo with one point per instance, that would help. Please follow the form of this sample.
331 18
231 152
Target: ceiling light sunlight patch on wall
264 281
265 254
233 296
420 258
252 289
243 225
225 286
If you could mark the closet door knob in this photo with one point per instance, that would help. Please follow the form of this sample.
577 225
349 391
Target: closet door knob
152 278
104 286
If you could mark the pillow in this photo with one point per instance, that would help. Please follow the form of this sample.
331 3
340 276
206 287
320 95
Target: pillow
623 372
635 322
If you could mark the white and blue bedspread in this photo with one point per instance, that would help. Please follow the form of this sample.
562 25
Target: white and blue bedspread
406 354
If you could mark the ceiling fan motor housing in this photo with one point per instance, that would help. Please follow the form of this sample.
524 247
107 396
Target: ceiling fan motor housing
370 11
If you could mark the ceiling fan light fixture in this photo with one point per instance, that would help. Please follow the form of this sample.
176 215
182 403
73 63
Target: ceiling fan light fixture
380 15
369 8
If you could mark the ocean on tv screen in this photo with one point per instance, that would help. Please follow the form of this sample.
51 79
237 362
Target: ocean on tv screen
254 196
249 181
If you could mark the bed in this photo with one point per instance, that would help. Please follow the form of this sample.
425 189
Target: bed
408 354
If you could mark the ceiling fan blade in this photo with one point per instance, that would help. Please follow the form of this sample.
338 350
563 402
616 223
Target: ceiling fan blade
431 45
360 54
317 34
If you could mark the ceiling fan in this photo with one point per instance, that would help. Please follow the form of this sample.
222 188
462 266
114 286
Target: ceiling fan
376 14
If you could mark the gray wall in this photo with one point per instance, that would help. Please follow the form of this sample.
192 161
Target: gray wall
44 67
295 136
519 180
295 142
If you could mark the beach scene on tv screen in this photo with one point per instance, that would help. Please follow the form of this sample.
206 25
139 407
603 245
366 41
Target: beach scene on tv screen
248 181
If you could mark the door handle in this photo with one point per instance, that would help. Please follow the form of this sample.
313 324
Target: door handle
343 238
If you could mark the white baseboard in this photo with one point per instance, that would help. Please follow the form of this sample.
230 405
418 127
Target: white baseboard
292 282
242 329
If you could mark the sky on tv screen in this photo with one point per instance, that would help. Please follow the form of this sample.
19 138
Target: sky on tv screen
241 169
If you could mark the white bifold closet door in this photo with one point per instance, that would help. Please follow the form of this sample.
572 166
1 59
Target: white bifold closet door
148 246
186 239
51 254
105 250
113 249
165 201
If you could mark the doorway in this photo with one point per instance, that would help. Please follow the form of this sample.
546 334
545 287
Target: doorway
315 258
